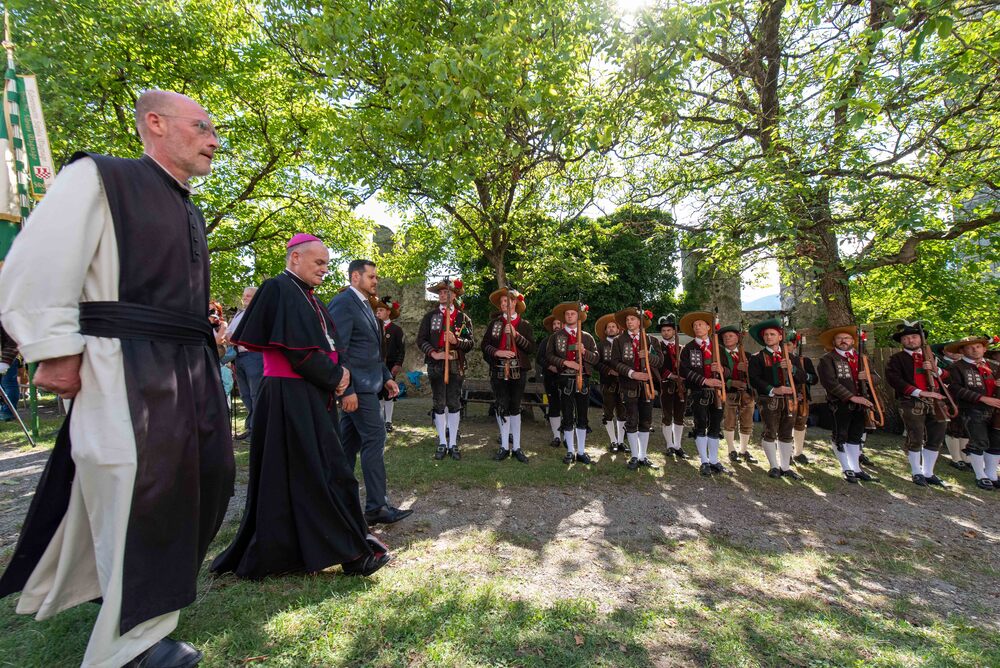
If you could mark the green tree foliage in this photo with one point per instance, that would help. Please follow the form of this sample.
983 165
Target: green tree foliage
270 178
834 137
479 111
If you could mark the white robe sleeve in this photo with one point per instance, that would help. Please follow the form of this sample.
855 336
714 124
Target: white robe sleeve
42 281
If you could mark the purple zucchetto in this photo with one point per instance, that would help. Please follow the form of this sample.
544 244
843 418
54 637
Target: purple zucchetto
301 238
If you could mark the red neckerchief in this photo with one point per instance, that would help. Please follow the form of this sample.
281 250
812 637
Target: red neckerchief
734 357
503 336
852 361
706 357
919 375
570 340
453 317
635 351
986 373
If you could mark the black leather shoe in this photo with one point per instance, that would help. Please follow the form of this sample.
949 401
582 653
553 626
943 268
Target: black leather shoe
555 442
441 451
648 464
791 474
718 468
705 469
800 459
961 466
934 480
984 483
850 477
520 456
748 458
568 458
865 476
167 653
386 515
633 464
584 459
366 565
389 428
864 461
455 453
774 473
734 457
502 454
679 453
919 480
242 436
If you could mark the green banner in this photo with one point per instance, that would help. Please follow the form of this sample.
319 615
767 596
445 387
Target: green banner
36 141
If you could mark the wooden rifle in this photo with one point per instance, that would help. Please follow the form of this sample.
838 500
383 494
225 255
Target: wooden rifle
804 399
580 348
511 344
786 364
648 385
876 418
720 393
447 342
677 366
945 409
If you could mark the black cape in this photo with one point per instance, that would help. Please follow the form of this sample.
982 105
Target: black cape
303 510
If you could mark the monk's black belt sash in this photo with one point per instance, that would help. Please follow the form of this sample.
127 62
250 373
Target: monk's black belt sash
123 320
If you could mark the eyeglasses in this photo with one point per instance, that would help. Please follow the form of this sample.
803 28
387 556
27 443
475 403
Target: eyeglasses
204 127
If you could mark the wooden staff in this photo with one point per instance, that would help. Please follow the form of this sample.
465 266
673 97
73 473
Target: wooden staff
804 402
511 344
943 410
447 343
579 349
720 393
875 415
648 385
786 365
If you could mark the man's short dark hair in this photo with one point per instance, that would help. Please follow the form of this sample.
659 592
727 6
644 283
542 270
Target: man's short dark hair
359 266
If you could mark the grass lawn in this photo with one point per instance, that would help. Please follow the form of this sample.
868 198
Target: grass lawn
505 564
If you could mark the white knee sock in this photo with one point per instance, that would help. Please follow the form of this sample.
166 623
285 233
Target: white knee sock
992 461
771 452
730 437
554 424
701 442
441 423
713 450
799 438
744 443
785 454
610 428
844 459
387 407
978 465
515 430
567 437
643 444
915 467
633 443
581 440
453 429
504 433
668 435
620 431
678 435
930 458
853 454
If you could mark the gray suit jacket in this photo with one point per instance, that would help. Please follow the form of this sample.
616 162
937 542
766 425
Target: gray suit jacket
359 342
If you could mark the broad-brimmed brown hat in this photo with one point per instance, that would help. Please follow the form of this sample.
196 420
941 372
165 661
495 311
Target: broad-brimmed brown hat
510 293
448 284
687 322
559 312
955 347
826 338
547 323
385 301
600 328
645 317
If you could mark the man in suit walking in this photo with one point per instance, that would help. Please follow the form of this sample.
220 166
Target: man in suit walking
359 343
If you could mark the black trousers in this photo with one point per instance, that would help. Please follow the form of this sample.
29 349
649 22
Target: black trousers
614 407
671 403
507 394
848 423
707 415
982 436
638 410
923 430
444 396
551 382
778 424
574 404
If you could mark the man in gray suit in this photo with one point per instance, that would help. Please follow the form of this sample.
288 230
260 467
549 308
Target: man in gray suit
359 343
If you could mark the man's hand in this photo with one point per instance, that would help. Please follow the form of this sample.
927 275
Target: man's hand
927 394
60 375
451 338
717 368
570 364
862 401
928 366
742 366
713 382
392 388
437 355
781 390
506 354
345 380
993 402
640 375
349 403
